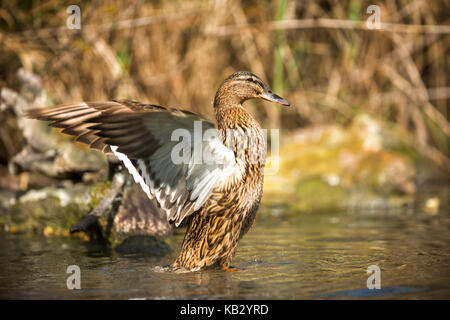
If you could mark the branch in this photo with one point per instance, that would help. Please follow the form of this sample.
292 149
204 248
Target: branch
117 183
98 28
331 24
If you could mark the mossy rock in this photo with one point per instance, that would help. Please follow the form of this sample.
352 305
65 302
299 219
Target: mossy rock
332 167
55 208
317 195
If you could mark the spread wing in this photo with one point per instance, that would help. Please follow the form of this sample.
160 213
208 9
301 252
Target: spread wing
176 156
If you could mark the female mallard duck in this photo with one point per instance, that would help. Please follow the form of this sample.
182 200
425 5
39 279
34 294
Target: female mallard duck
214 184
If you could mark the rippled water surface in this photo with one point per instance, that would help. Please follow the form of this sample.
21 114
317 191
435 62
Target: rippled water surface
321 255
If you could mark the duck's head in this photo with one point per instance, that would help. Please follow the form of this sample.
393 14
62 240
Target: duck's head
244 85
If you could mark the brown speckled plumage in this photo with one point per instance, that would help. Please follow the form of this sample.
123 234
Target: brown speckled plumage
217 200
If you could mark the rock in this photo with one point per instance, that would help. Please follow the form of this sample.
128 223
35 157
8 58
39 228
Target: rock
331 167
45 151
52 211
431 206
39 209
61 182
148 245
136 215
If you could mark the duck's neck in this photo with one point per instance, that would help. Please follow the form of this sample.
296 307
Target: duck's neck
229 111
241 133
234 116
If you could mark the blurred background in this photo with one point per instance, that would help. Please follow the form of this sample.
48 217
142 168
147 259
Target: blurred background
390 85
368 128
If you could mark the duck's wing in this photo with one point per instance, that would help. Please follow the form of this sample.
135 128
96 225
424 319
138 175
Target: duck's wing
176 156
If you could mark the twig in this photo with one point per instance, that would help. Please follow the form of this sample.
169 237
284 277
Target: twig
439 93
117 183
230 30
331 24
103 27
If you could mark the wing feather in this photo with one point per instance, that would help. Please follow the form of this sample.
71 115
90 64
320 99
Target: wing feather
133 130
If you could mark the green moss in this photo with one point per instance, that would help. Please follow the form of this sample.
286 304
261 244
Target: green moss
317 195
48 207
98 192
333 167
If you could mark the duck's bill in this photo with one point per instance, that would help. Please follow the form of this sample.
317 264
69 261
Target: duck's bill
270 96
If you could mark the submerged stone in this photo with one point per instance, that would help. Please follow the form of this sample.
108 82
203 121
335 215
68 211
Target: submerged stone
144 244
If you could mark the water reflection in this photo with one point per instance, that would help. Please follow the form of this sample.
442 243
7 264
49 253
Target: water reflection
306 256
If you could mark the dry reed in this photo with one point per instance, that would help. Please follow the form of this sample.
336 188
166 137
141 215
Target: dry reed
319 54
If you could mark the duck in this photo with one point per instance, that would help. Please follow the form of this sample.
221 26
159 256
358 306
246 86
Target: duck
205 176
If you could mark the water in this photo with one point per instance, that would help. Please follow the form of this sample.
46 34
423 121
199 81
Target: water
319 256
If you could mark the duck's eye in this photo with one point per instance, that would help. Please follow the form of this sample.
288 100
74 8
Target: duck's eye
250 79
